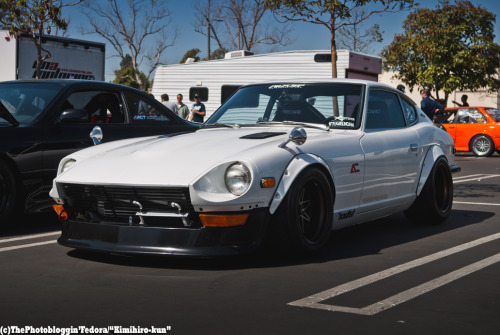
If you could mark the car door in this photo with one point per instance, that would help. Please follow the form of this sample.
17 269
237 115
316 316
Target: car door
392 152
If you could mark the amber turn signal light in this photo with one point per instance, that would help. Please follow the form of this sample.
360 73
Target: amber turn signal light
61 212
211 220
267 182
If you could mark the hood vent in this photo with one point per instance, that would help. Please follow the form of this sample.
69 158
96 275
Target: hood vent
260 136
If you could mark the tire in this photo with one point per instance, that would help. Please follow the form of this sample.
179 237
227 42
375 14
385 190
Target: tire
9 194
304 218
482 145
433 205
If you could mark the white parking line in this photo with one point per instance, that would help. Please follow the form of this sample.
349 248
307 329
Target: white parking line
26 245
27 237
474 177
314 301
475 203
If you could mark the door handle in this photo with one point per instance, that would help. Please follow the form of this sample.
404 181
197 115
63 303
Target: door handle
413 147
451 127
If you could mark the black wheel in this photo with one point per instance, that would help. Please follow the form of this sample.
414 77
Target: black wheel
433 205
9 193
482 145
304 218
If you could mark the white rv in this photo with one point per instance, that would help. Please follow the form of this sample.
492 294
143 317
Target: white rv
217 80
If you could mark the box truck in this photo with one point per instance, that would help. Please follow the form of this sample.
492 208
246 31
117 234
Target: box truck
71 58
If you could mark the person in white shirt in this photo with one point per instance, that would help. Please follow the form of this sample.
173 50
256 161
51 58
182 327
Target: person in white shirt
170 104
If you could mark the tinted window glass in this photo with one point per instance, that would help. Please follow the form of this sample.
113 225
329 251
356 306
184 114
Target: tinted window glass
143 111
384 111
226 91
470 115
100 106
202 91
409 112
494 113
26 101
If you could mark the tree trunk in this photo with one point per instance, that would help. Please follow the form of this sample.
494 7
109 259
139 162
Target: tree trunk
333 46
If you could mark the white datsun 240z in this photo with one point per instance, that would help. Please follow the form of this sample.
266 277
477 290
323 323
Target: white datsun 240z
292 160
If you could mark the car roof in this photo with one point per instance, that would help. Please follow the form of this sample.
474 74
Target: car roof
69 82
323 81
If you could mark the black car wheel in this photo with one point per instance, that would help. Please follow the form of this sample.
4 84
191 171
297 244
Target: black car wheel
482 145
8 193
305 215
433 205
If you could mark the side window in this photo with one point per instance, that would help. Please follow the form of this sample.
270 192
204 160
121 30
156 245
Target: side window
202 91
143 111
100 106
409 112
384 111
470 115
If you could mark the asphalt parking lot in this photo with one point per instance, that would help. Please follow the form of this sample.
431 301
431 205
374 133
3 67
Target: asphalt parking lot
383 277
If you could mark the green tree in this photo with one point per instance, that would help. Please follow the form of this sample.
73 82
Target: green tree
34 18
217 54
448 48
192 53
126 74
333 14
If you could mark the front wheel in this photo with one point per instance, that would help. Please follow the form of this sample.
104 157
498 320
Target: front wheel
304 218
482 146
433 205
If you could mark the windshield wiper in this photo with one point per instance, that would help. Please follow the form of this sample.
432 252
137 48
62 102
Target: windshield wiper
5 114
304 124
222 125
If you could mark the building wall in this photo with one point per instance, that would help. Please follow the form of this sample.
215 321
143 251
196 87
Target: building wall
478 98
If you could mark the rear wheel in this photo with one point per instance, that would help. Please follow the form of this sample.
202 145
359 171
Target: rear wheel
9 193
482 145
433 205
304 218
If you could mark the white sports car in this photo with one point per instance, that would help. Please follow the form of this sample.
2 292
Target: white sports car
286 160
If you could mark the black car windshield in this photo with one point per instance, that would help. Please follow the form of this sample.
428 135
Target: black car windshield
494 113
26 101
336 105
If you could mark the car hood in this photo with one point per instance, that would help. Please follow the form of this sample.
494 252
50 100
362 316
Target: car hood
174 160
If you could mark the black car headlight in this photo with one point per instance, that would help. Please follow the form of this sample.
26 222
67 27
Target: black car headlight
237 178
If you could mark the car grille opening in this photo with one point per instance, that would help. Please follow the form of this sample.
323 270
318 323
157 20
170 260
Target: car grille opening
108 204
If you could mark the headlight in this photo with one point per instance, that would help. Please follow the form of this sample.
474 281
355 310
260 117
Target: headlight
237 178
67 165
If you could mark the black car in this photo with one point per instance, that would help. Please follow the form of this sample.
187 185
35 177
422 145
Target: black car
41 121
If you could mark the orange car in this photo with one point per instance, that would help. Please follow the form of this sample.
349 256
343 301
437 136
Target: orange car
475 129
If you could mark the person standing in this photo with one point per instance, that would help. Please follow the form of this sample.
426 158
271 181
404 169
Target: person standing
198 110
429 106
170 104
464 103
183 109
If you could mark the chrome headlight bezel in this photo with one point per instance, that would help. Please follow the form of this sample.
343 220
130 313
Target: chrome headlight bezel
67 165
237 178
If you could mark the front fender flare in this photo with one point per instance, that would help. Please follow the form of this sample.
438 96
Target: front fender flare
296 165
431 157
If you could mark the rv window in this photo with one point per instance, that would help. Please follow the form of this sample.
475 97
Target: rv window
226 91
323 58
202 91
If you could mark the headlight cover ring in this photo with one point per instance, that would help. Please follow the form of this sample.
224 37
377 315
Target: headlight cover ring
237 178
67 165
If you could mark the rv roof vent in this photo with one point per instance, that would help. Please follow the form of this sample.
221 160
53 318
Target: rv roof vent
238 53
189 61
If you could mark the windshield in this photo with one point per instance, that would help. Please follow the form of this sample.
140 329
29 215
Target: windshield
494 113
337 105
25 101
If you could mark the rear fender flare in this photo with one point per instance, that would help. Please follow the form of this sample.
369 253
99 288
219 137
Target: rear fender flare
297 165
432 155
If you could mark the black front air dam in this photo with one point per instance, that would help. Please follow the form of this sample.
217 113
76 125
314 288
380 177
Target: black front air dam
204 241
